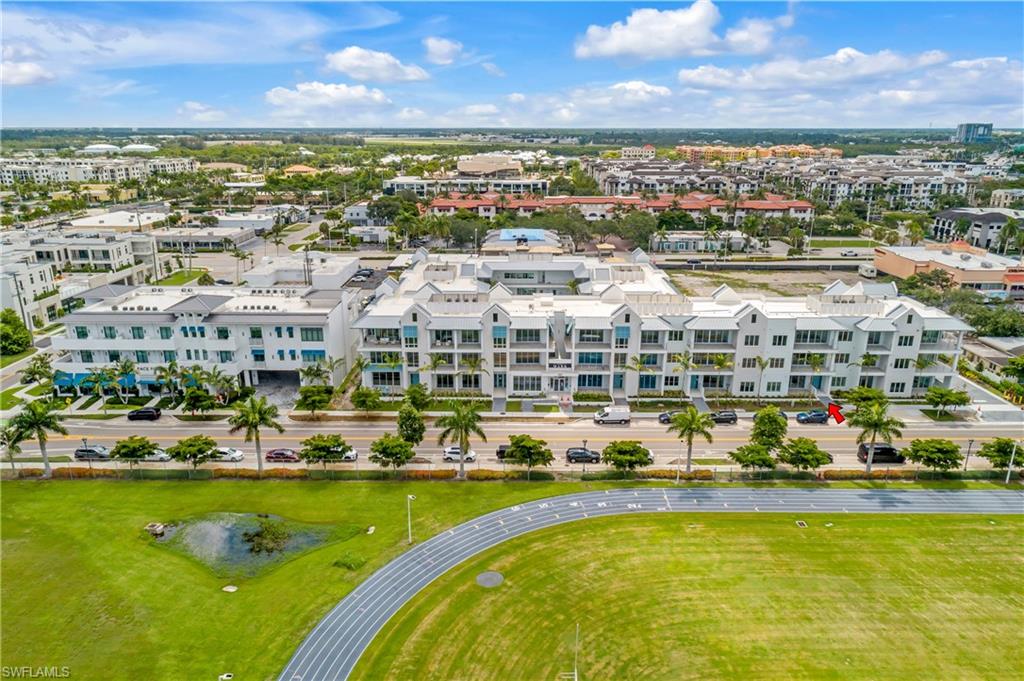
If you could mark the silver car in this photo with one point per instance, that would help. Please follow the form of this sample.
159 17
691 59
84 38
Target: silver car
158 456
228 454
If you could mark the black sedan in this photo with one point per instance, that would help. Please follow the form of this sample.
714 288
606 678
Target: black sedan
666 416
581 455
144 414
725 416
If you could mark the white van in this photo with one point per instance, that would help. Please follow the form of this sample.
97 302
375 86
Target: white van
867 270
612 414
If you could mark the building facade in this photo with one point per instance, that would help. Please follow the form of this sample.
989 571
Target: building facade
969 267
979 227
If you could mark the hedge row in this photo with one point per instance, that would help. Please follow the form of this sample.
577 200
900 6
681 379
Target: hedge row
651 474
488 474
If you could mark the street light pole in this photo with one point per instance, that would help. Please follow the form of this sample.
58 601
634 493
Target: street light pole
586 453
970 444
409 498
1009 468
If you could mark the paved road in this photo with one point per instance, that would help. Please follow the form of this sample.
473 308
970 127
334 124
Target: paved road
334 646
836 439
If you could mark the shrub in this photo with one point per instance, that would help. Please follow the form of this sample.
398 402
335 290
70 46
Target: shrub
349 561
80 472
668 474
488 474
590 397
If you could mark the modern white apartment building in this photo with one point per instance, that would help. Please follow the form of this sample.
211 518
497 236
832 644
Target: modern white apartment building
312 268
550 325
1006 198
121 221
250 333
60 170
424 186
203 239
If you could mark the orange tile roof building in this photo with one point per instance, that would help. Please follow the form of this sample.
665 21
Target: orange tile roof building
970 267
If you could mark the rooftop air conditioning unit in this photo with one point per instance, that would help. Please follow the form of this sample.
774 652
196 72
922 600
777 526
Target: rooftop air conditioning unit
986 264
965 256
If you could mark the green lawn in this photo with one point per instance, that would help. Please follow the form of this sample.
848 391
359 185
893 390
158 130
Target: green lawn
844 243
945 416
7 398
297 227
180 278
721 596
7 360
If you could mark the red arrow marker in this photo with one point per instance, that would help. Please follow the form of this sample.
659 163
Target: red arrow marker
834 410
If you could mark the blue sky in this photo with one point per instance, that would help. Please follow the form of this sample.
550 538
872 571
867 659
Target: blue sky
581 64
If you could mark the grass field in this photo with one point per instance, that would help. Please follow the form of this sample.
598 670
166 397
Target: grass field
8 399
7 360
85 587
180 278
721 597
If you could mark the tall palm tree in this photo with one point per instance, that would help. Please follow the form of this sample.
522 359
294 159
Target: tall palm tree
98 379
123 370
472 365
875 423
457 427
684 362
168 375
762 364
436 361
38 419
816 363
11 439
314 374
1008 234
196 374
251 415
722 362
688 425
636 363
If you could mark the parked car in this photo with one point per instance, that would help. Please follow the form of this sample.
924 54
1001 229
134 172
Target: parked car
812 416
849 253
612 414
502 451
666 416
158 456
364 272
92 453
650 456
581 455
724 416
228 454
358 279
350 454
883 454
283 454
144 414
454 453
694 261
223 282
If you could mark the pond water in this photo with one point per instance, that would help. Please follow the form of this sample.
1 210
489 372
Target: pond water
218 541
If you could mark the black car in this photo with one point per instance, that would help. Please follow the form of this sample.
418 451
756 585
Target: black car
502 451
581 455
365 272
694 261
144 414
666 416
883 454
813 416
224 282
724 416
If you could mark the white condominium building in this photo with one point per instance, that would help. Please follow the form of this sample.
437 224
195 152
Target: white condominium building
245 332
60 170
533 324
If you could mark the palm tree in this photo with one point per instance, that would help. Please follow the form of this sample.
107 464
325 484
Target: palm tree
722 362
196 374
277 239
313 374
684 362
168 375
123 370
239 255
251 415
472 365
762 364
1008 233
98 379
874 422
437 360
11 439
38 419
573 285
457 427
636 363
687 425
816 363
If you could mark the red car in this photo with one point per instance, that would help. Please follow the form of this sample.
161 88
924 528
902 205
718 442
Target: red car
282 455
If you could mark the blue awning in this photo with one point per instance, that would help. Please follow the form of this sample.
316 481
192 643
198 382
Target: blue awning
64 379
126 381
149 381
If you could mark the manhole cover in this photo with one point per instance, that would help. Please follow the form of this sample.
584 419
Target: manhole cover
490 579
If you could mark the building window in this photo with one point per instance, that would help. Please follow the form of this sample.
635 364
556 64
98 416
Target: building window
166 332
170 356
311 356
671 381
753 318
291 354
901 363
839 381
746 386
910 319
905 341
109 332
622 336
87 356
751 340
875 338
412 359
277 331
222 333
471 382
81 332
225 356
500 359
816 337
311 335
256 332
527 335
676 335
842 358
590 358
591 336
779 341
648 382
590 381
844 337
897 387
930 337
471 336
528 384
649 337
621 359
527 358
113 355
773 387
142 357
649 360
387 378
444 337
748 363
707 336
138 333
776 362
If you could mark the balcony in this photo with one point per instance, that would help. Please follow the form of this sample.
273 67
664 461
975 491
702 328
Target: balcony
591 368
381 341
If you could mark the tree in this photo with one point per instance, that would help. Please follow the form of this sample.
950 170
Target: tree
769 428
752 456
122 371
11 439
803 454
313 398
205 279
410 424
323 448
1015 368
863 395
688 425
194 450
941 397
14 335
133 449
999 451
314 374
528 451
936 453
38 419
875 423
457 427
39 369
366 398
683 362
168 375
625 455
391 451
197 399
418 396
250 416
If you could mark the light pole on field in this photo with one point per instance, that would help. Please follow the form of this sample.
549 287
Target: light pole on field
970 444
1009 468
586 453
409 498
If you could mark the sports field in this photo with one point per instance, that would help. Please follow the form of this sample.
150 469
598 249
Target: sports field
729 596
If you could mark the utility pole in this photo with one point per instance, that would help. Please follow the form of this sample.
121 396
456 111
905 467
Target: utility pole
409 498
1009 468
970 443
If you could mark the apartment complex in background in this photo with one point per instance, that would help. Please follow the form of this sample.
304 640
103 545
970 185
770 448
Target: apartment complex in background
645 153
1007 198
978 226
105 170
969 267
707 153
425 186
623 177
543 325
970 133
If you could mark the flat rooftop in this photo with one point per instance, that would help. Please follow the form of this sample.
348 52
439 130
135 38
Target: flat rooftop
955 259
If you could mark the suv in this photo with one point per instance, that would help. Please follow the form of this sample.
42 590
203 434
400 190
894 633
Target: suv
724 416
144 414
581 455
92 453
454 453
813 416
883 454
502 452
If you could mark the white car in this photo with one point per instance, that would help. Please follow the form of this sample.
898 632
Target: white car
228 454
650 456
158 456
350 454
849 253
454 453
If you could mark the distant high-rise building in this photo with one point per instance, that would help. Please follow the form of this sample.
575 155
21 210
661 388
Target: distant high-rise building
968 133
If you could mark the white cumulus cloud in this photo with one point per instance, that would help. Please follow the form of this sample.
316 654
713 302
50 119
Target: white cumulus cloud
493 69
363 64
24 73
410 113
441 51
200 113
318 97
